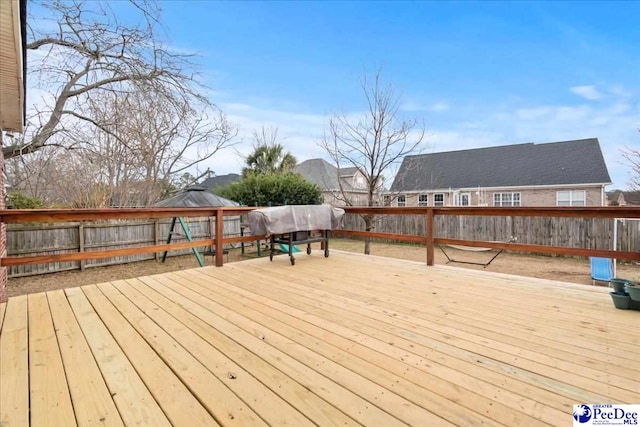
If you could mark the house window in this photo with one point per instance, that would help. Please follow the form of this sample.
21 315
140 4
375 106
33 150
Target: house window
402 200
423 200
571 198
462 199
506 199
386 200
438 199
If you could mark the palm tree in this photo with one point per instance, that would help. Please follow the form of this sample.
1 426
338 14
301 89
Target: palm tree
268 157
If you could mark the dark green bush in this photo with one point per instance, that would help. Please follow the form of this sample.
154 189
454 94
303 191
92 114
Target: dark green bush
20 201
273 190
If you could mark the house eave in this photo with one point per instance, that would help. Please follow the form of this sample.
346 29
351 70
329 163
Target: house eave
12 91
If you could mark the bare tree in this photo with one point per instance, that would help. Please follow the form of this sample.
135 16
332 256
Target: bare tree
143 147
153 141
373 143
632 157
58 177
33 176
86 50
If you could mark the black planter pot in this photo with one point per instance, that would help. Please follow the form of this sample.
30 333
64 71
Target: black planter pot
619 285
621 301
634 291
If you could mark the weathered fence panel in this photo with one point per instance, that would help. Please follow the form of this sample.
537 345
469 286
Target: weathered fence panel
43 239
586 233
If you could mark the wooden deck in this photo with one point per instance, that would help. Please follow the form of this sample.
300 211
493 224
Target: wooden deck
346 340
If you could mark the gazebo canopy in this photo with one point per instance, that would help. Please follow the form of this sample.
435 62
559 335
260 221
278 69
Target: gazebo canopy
192 197
195 197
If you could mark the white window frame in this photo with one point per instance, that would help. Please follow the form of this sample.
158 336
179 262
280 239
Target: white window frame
575 198
436 202
458 198
425 202
401 201
514 199
386 200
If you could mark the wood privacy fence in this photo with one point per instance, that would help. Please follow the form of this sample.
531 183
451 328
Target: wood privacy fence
585 233
59 238
429 216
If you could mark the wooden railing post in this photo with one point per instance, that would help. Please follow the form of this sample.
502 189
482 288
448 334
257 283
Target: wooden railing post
218 238
156 235
212 226
430 237
81 244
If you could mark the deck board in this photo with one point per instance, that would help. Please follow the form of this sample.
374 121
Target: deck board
14 364
348 340
131 397
92 401
49 398
457 385
279 383
226 378
554 359
175 399
244 316
3 307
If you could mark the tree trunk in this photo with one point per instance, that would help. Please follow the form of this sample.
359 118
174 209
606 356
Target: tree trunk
368 226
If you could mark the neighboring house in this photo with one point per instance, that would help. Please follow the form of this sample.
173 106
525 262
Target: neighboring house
623 198
214 183
569 173
329 178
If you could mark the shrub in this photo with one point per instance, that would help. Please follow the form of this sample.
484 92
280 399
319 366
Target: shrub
273 190
20 201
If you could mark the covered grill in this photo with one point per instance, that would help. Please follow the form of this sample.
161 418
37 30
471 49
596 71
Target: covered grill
296 224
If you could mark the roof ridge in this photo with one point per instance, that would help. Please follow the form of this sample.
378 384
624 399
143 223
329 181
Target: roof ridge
535 144
577 161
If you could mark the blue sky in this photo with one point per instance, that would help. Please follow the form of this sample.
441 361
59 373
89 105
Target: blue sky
478 74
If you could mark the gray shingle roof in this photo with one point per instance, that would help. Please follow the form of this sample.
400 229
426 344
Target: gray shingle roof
195 197
556 163
322 173
348 171
630 197
215 182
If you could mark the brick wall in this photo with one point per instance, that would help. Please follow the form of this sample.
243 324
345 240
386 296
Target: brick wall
3 230
528 197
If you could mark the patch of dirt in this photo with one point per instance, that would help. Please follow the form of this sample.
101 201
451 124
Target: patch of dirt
574 270
68 279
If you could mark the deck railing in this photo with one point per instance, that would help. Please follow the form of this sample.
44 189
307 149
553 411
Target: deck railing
429 239
77 215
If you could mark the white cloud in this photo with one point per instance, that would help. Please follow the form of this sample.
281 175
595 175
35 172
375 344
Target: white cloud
614 123
439 107
587 92
620 91
413 106
298 132
462 139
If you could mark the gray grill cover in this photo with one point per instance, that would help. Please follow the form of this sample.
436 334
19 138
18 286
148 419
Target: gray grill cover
287 219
